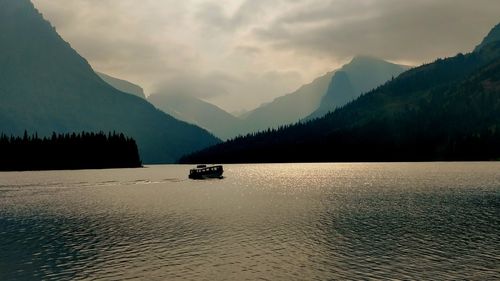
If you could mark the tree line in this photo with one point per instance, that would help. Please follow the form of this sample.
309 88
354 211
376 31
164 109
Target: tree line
69 151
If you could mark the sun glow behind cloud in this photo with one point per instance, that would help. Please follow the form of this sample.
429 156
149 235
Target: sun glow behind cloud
241 53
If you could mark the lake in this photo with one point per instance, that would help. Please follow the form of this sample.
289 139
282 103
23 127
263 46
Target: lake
401 221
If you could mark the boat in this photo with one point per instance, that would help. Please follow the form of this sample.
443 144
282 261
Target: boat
202 172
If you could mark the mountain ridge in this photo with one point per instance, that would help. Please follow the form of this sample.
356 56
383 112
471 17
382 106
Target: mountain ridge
359 76
303 101
196 111
491 37
122 85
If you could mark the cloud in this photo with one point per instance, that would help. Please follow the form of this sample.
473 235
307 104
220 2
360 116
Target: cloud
248 50
399 30
226 90
215 15
193 84
241 53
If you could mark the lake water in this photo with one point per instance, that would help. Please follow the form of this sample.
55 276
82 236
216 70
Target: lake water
402 221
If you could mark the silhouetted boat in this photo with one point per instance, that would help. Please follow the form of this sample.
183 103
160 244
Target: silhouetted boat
206 172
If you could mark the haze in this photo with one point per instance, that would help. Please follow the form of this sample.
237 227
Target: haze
241 53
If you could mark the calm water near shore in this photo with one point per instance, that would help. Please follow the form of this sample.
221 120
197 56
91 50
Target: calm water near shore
401 221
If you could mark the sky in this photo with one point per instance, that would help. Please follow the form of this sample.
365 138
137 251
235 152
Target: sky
239 54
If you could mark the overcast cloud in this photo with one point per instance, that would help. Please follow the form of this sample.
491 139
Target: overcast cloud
240 53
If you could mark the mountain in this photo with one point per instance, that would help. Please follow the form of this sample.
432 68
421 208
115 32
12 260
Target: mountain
289 108
199 112
446 110
122 85
242 113
313 100
359 76
493 36
226 126
47 86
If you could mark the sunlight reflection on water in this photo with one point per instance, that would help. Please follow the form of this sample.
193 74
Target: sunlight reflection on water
270 222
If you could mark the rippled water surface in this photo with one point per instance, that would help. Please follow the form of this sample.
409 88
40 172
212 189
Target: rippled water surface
436 221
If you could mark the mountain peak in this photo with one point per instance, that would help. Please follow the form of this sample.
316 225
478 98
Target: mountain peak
365 58
493 36
369 63
359 76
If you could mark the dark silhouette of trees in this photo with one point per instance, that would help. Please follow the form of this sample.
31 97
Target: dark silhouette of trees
68 151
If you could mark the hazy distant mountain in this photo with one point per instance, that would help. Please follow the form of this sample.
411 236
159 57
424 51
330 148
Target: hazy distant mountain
289 108
199 112
122 85
242 113
47 86
283 110
359 76
446 110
